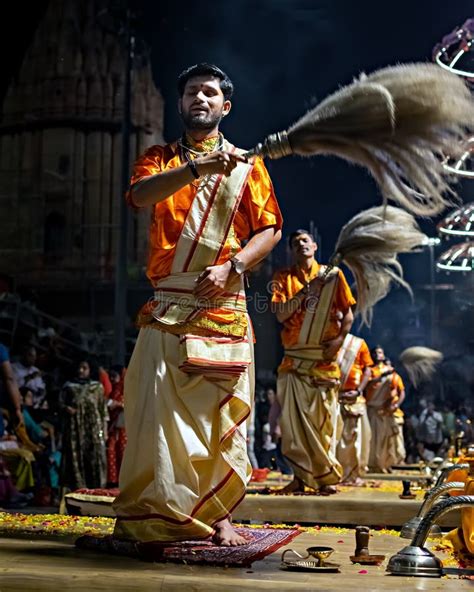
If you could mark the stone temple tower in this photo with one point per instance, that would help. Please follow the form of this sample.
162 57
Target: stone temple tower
60 152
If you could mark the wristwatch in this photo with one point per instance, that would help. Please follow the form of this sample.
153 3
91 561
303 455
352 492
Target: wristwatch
237 265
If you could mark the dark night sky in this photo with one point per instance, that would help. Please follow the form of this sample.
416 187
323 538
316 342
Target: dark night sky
284 56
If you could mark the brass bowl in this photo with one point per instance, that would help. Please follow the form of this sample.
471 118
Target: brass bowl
320 553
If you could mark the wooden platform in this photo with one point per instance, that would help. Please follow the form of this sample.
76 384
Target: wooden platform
357 506
41 566
399 476
351 506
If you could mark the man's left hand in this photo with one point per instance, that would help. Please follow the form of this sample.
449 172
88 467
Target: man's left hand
331 347
213 281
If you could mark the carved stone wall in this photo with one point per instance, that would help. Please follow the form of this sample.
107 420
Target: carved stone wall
60 151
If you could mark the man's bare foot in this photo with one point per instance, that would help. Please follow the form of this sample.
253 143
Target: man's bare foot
295 486
226 536
357 482
327 490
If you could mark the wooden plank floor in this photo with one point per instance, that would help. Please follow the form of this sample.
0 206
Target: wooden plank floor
41 566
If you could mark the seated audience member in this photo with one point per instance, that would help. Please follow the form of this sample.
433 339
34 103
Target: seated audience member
28 375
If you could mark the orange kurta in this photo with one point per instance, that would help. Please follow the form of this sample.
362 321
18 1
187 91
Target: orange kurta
467 519
258 209
463 538
396 386
286 284
185 466
363 360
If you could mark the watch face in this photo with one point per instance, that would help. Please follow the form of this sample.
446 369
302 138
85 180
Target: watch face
238 265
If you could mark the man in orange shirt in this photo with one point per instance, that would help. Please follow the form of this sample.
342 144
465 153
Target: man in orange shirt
314 307
188 388
354 446
462 538
384 394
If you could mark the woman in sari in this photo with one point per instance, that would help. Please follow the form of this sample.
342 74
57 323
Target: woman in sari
84 431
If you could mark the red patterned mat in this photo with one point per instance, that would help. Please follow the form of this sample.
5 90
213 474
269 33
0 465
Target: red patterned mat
261 542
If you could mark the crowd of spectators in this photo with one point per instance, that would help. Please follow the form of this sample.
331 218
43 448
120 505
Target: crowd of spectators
429 430
61 426
433 430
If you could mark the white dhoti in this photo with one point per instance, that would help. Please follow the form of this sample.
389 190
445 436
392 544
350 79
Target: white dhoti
365 441
400 451
353 448
385 447
309 416
185 465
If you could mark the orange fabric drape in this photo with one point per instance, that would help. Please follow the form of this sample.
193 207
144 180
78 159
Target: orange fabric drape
362 361
396 383
286 284
258 209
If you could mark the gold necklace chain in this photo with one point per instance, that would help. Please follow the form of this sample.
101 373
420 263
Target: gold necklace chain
186 152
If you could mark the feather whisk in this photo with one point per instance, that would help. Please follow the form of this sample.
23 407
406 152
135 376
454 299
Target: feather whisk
369 244
398 122
420 363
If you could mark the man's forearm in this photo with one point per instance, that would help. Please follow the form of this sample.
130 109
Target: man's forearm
365 379
401 398
157 188
259 246
346 323
285 310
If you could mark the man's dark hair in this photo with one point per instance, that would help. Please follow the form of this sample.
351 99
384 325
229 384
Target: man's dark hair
297 233
204 69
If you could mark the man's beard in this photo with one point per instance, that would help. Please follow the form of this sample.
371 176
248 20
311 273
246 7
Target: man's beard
200 122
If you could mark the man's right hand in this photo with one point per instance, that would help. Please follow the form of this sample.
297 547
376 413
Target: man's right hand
218 163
